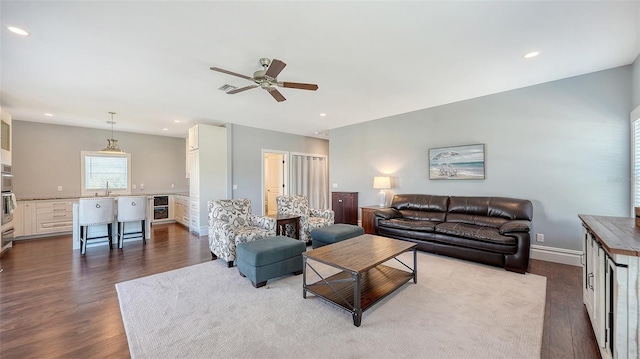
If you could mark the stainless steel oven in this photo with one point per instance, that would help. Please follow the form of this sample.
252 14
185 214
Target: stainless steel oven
8 199
8 205
6 185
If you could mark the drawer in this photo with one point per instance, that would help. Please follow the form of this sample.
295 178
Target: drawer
54 226
57 205
53 216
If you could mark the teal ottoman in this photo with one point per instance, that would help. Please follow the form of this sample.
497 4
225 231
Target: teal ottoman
269 258
334 233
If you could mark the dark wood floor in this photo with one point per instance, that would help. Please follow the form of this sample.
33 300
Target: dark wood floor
55 303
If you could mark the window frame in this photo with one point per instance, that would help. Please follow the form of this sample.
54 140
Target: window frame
634 118
100 192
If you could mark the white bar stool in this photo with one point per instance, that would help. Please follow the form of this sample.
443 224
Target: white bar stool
131 209
95 211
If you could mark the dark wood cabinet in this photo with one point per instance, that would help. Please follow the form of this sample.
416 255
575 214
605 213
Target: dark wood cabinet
345 206
368 218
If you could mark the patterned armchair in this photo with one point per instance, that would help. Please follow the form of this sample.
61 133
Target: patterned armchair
310 218
231 222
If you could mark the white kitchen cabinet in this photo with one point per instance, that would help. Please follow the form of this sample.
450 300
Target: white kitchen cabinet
6 137
187 160
181 210
43 217
194 219
194 137
54 216
611 278
194 174
18 219
24 222
208 173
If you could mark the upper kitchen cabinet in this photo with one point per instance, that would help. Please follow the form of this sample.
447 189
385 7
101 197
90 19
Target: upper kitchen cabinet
5 138
193 137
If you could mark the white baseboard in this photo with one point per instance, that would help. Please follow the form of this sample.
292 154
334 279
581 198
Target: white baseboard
556 255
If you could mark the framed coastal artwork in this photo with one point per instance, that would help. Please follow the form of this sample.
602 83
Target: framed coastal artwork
457 163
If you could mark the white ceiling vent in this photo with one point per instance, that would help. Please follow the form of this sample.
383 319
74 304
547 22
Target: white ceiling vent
226 88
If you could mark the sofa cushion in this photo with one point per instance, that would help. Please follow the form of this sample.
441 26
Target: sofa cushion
421 206
503 207
387 213
408 224
486 234
483 221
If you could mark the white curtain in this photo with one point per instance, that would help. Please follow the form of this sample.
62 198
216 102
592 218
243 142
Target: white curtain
309 178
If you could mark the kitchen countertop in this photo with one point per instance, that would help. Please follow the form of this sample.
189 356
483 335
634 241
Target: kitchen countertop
45 198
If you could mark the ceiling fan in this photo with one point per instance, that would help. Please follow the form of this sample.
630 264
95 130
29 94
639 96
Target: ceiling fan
267 78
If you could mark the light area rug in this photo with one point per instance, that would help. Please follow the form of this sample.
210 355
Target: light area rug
457 309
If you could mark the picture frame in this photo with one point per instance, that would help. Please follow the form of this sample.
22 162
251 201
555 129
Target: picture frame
465 162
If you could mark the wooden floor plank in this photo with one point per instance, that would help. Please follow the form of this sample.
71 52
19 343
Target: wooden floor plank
56 303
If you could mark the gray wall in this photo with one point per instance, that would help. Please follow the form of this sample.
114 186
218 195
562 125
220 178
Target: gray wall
46 156
247 146
564 145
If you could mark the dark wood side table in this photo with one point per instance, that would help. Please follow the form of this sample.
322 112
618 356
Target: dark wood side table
368 218
282 220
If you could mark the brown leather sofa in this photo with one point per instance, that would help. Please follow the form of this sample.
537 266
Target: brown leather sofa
490 230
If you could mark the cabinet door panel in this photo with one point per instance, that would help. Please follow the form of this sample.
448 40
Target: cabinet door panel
345 206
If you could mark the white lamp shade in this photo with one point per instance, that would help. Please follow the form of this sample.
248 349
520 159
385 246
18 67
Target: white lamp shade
381 182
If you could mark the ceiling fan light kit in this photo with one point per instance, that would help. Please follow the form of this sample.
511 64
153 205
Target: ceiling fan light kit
266 78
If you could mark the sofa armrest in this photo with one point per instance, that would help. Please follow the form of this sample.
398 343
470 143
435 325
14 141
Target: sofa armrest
388 213
515 226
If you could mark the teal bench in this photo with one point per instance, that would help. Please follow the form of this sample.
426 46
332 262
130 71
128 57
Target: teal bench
269 258
334 233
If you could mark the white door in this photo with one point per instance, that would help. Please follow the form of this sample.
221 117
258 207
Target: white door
274 180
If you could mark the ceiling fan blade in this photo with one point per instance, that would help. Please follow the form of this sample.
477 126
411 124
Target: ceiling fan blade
230 73
296 85
241 89
276 94
274 69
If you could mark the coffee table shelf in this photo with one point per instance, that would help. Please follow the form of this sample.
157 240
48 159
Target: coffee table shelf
376 284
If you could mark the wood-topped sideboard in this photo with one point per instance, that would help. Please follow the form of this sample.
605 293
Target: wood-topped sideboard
611 283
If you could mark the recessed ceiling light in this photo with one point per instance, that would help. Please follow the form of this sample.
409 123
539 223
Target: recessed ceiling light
531 54
48 114
323 114
176 121
17 30
165 129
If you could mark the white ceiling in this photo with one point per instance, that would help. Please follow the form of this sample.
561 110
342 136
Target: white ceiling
149 61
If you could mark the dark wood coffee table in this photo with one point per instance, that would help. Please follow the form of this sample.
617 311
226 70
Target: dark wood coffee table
364 280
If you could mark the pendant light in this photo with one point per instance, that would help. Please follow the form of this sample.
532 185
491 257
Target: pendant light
112 144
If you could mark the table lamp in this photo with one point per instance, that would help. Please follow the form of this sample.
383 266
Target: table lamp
382 183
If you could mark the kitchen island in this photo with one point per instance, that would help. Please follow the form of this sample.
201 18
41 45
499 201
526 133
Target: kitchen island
39 217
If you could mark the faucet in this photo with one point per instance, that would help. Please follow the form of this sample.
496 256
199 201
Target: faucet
106 191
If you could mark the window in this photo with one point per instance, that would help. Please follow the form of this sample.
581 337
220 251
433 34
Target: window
100 170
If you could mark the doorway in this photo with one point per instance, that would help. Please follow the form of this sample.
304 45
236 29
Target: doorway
275 178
